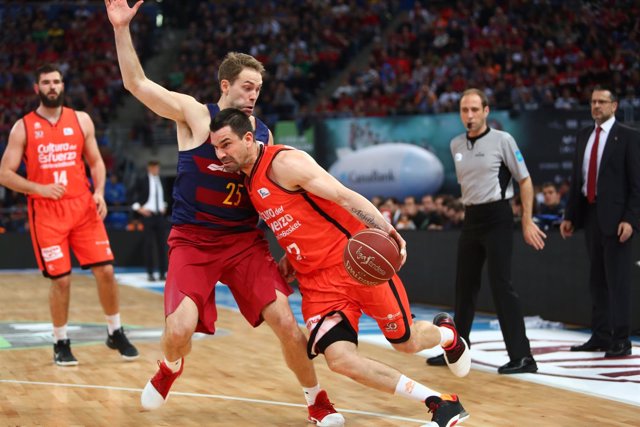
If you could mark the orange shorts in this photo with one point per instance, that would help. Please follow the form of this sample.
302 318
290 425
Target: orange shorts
334 290
57 225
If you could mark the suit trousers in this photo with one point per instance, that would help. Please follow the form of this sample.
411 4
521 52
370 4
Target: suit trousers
487 235
155 234
609 281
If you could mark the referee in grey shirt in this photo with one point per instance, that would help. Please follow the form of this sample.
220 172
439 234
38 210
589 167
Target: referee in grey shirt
486 160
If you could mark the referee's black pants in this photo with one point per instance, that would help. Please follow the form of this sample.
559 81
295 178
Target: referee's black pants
487 234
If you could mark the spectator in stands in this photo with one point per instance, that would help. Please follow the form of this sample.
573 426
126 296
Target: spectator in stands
411 211
551 209
115 195
390 210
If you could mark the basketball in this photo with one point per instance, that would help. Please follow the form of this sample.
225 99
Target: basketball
371 257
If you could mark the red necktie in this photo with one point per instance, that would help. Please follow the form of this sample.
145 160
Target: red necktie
592 173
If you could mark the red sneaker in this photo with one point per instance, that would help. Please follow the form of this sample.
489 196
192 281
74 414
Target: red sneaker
155 392
322 413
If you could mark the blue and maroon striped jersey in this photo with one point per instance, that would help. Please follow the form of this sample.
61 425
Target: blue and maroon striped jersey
204 194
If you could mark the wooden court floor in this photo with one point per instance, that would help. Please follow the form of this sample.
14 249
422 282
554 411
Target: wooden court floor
239 379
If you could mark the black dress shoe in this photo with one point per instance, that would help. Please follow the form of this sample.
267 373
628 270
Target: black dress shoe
436 361
163 278
590 346
519 366
619 349
150 278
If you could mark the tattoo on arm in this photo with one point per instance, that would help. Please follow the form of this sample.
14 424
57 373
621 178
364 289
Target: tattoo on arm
366 218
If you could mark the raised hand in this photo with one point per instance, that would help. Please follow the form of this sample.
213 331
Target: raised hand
119 12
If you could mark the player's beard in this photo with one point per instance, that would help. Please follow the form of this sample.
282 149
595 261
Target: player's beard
51 102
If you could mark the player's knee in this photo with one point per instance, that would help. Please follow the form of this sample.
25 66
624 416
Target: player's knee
62 284
282 322
103 272
177 333
343 362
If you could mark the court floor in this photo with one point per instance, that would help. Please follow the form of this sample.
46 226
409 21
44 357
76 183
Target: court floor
238 378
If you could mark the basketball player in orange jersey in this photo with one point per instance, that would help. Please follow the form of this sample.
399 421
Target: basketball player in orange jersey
214 235
313 215
63 213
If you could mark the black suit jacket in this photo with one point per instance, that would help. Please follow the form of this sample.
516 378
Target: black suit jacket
618 185
141 192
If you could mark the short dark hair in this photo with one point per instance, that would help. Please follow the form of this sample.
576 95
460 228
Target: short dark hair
237 120
153 162
606 88
46 69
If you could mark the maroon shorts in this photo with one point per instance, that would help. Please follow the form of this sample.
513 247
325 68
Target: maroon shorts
200 257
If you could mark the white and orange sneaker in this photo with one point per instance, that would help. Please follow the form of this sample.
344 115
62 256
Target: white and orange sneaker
323 414
156 391
457 355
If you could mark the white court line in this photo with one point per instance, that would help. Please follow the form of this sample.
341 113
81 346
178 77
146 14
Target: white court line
214 396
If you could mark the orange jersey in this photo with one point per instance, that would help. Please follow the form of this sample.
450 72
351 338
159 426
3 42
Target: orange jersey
313 231
54 152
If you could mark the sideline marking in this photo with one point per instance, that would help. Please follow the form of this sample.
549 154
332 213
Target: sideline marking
212 396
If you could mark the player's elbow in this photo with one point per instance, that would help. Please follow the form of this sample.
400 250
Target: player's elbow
4 177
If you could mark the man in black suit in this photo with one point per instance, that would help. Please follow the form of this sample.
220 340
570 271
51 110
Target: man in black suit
151 206
605 199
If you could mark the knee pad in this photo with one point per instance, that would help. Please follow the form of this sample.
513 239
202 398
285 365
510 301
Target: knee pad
333 327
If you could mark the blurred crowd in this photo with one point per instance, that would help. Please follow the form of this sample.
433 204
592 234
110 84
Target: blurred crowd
525 55
446 212
390 58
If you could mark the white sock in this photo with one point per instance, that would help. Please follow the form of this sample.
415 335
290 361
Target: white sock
113 322
446 336
174 366
60 333
413 390
311 393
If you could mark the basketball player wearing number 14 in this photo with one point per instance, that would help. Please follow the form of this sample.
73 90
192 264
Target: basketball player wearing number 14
313 216
63 213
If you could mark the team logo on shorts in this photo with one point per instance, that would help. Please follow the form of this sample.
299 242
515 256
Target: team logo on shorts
391 327
51 253
263 192
312 322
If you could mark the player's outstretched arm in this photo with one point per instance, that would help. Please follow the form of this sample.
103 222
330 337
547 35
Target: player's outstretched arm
170 105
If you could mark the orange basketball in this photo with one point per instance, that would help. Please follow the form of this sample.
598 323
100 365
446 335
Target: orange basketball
371 257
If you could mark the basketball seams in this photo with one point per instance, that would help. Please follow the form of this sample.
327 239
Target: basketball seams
381 233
